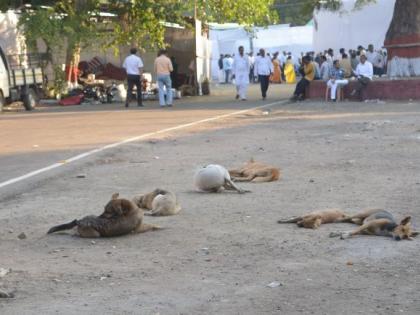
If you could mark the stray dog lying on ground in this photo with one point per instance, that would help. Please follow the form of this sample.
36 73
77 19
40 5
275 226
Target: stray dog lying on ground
378 222
255 172
120 217
215 178
313 220
161 203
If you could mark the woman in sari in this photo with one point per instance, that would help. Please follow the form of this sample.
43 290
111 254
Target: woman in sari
276 76
289 71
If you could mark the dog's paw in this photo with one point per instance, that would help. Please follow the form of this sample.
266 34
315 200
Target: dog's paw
335 234
345 235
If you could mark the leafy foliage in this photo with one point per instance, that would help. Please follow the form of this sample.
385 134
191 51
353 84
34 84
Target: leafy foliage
131 22
299 12
64 24
140 22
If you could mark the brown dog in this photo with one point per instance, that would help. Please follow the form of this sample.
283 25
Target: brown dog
255 172
313 220
120 217
378 222
160 202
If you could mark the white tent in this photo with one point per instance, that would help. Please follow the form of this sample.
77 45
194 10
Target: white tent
350 28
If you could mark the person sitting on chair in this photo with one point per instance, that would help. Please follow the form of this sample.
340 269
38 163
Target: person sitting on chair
336 79
308 73
364 74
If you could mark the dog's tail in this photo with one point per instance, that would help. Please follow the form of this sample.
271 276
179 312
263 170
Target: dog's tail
290 220
62 227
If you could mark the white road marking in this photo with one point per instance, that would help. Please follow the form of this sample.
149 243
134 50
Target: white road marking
140 137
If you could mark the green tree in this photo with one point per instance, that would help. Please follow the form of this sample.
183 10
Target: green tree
68 25
140 22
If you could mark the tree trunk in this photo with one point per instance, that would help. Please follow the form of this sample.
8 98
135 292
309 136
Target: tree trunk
403 39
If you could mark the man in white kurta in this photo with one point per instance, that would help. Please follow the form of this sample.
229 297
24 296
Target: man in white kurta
240 70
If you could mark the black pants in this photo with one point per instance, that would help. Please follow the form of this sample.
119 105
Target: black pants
264 82
362 83
251 75
378 71
133 80
301 88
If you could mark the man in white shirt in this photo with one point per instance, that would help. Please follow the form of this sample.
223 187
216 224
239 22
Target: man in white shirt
263 68
133 65
374 58
364 74
227 68
330 57
240 70
371 54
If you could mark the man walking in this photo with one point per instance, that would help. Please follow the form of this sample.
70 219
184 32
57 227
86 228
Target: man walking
240 70
163 69
263 68
133 65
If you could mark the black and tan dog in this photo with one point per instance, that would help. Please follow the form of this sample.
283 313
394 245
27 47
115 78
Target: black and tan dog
160 202
313 220
120 217
255 172
378 222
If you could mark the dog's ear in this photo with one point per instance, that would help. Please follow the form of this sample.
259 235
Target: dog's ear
115 196
414 234
405 221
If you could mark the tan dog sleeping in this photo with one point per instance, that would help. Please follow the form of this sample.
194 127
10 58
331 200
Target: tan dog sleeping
120 217
255 172
160 202
313 220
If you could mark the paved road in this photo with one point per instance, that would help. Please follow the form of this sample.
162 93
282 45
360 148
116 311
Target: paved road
221 252
53 134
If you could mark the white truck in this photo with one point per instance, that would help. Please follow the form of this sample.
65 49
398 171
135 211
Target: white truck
18 82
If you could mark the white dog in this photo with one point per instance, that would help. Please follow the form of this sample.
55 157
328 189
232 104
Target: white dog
160 202
215 178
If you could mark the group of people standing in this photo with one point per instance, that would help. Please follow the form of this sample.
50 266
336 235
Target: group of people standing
163 68
263 68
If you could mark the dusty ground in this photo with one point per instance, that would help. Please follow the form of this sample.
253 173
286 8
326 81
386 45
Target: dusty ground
220 253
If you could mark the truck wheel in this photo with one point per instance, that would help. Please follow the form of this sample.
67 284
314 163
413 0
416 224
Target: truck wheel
2 102
30 99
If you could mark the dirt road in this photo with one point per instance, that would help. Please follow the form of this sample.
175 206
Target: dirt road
219 255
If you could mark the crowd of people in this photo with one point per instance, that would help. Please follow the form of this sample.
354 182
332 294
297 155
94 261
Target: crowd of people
334 69
243 69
